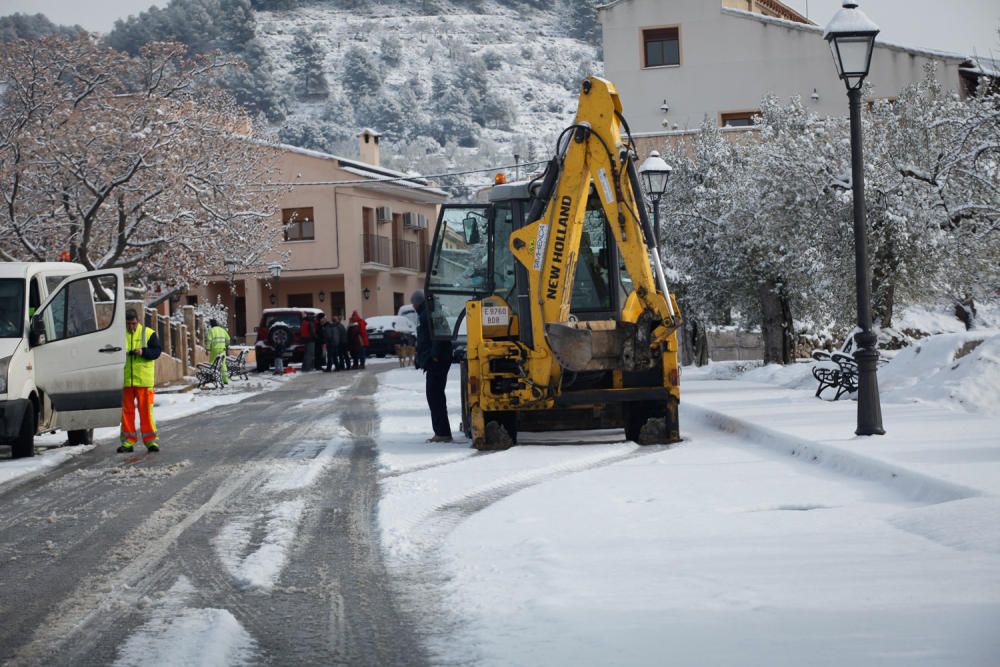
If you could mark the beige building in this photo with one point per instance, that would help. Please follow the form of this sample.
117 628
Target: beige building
676 63
361 245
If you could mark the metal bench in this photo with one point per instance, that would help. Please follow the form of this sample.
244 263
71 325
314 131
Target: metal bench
210 374
838 371
238 365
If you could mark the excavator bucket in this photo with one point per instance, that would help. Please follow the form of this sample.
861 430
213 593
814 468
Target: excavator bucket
591 346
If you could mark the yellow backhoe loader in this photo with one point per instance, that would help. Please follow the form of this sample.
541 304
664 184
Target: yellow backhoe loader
558 288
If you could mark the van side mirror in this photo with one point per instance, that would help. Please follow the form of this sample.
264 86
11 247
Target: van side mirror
36 331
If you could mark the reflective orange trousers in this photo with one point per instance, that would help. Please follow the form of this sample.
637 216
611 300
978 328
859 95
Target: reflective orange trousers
143 396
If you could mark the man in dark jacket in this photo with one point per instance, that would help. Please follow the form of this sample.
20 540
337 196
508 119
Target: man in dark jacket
331 338
342 359
320 339
434 357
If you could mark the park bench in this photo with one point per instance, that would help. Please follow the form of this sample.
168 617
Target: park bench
210 374
838 369
238 365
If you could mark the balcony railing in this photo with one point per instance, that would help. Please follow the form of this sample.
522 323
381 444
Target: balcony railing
407 255
377 249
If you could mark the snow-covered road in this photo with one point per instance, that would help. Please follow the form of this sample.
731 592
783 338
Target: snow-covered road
312 524
246 540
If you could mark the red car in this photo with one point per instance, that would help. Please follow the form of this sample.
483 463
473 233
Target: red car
281 325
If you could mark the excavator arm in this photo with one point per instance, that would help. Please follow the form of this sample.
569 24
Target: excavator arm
591 151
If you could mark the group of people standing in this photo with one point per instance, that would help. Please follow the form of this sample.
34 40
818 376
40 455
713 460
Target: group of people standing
330 345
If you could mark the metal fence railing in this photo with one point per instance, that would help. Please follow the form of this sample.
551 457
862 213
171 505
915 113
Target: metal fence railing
407 255
377 249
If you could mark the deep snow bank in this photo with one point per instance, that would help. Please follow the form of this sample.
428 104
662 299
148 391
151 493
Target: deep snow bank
960 371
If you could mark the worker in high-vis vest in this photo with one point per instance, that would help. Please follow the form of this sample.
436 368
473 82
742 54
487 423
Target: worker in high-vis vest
217 339
142 348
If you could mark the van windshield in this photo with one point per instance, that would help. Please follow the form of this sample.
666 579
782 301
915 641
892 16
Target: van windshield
11 307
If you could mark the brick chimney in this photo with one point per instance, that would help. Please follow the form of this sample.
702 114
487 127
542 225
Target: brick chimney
368 139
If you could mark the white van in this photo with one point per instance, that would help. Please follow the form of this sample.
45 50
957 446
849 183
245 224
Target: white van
62 338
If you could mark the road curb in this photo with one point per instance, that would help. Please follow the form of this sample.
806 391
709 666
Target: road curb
913 485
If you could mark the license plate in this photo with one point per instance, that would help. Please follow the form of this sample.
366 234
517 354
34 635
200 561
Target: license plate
494 316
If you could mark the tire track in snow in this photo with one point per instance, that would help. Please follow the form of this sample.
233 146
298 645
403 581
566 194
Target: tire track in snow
415 557
136 557
331 598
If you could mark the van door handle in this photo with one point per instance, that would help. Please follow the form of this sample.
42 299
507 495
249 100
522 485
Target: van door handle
109 348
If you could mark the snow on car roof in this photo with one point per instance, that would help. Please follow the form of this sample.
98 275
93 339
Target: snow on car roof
285 310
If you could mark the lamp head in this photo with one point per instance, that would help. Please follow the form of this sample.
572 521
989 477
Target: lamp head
851 35
654 173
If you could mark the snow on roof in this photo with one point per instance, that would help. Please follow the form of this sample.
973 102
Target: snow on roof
984 66
773 5
380 178
366 170
917 51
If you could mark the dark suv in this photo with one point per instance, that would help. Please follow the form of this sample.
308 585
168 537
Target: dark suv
270 332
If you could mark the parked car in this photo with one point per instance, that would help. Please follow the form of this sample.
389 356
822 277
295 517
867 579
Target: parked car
410 313
385 332
62 331
266 333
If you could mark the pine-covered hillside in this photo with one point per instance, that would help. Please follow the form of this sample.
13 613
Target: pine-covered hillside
451 84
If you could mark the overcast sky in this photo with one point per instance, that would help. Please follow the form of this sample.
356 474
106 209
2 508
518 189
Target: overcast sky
964 26
95 15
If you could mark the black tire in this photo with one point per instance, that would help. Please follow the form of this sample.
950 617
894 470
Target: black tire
380 355
279 335
501 430
24 445
636 415
81 437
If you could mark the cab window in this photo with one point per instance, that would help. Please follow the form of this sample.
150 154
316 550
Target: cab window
503 258
80 307
591 283
461 258
11 307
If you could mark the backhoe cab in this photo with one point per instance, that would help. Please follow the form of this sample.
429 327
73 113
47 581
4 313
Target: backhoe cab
558 285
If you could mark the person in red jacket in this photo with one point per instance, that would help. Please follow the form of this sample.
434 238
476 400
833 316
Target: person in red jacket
363 335
307 332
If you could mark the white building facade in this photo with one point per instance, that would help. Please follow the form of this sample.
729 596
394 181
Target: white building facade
677 62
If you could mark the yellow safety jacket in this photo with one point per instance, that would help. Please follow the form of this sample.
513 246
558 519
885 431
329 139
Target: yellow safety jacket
139 372
217 339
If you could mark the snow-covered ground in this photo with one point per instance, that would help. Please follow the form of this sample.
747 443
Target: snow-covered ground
168 405
771 535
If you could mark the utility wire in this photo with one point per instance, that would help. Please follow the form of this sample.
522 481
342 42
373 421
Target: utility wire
363 181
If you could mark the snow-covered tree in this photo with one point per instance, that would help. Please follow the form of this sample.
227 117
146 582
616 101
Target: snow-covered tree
391 50
308 67
762 222
362 76
32 26
142 163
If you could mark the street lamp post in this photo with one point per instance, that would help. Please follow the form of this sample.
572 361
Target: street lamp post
851 36
275 269
655 173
